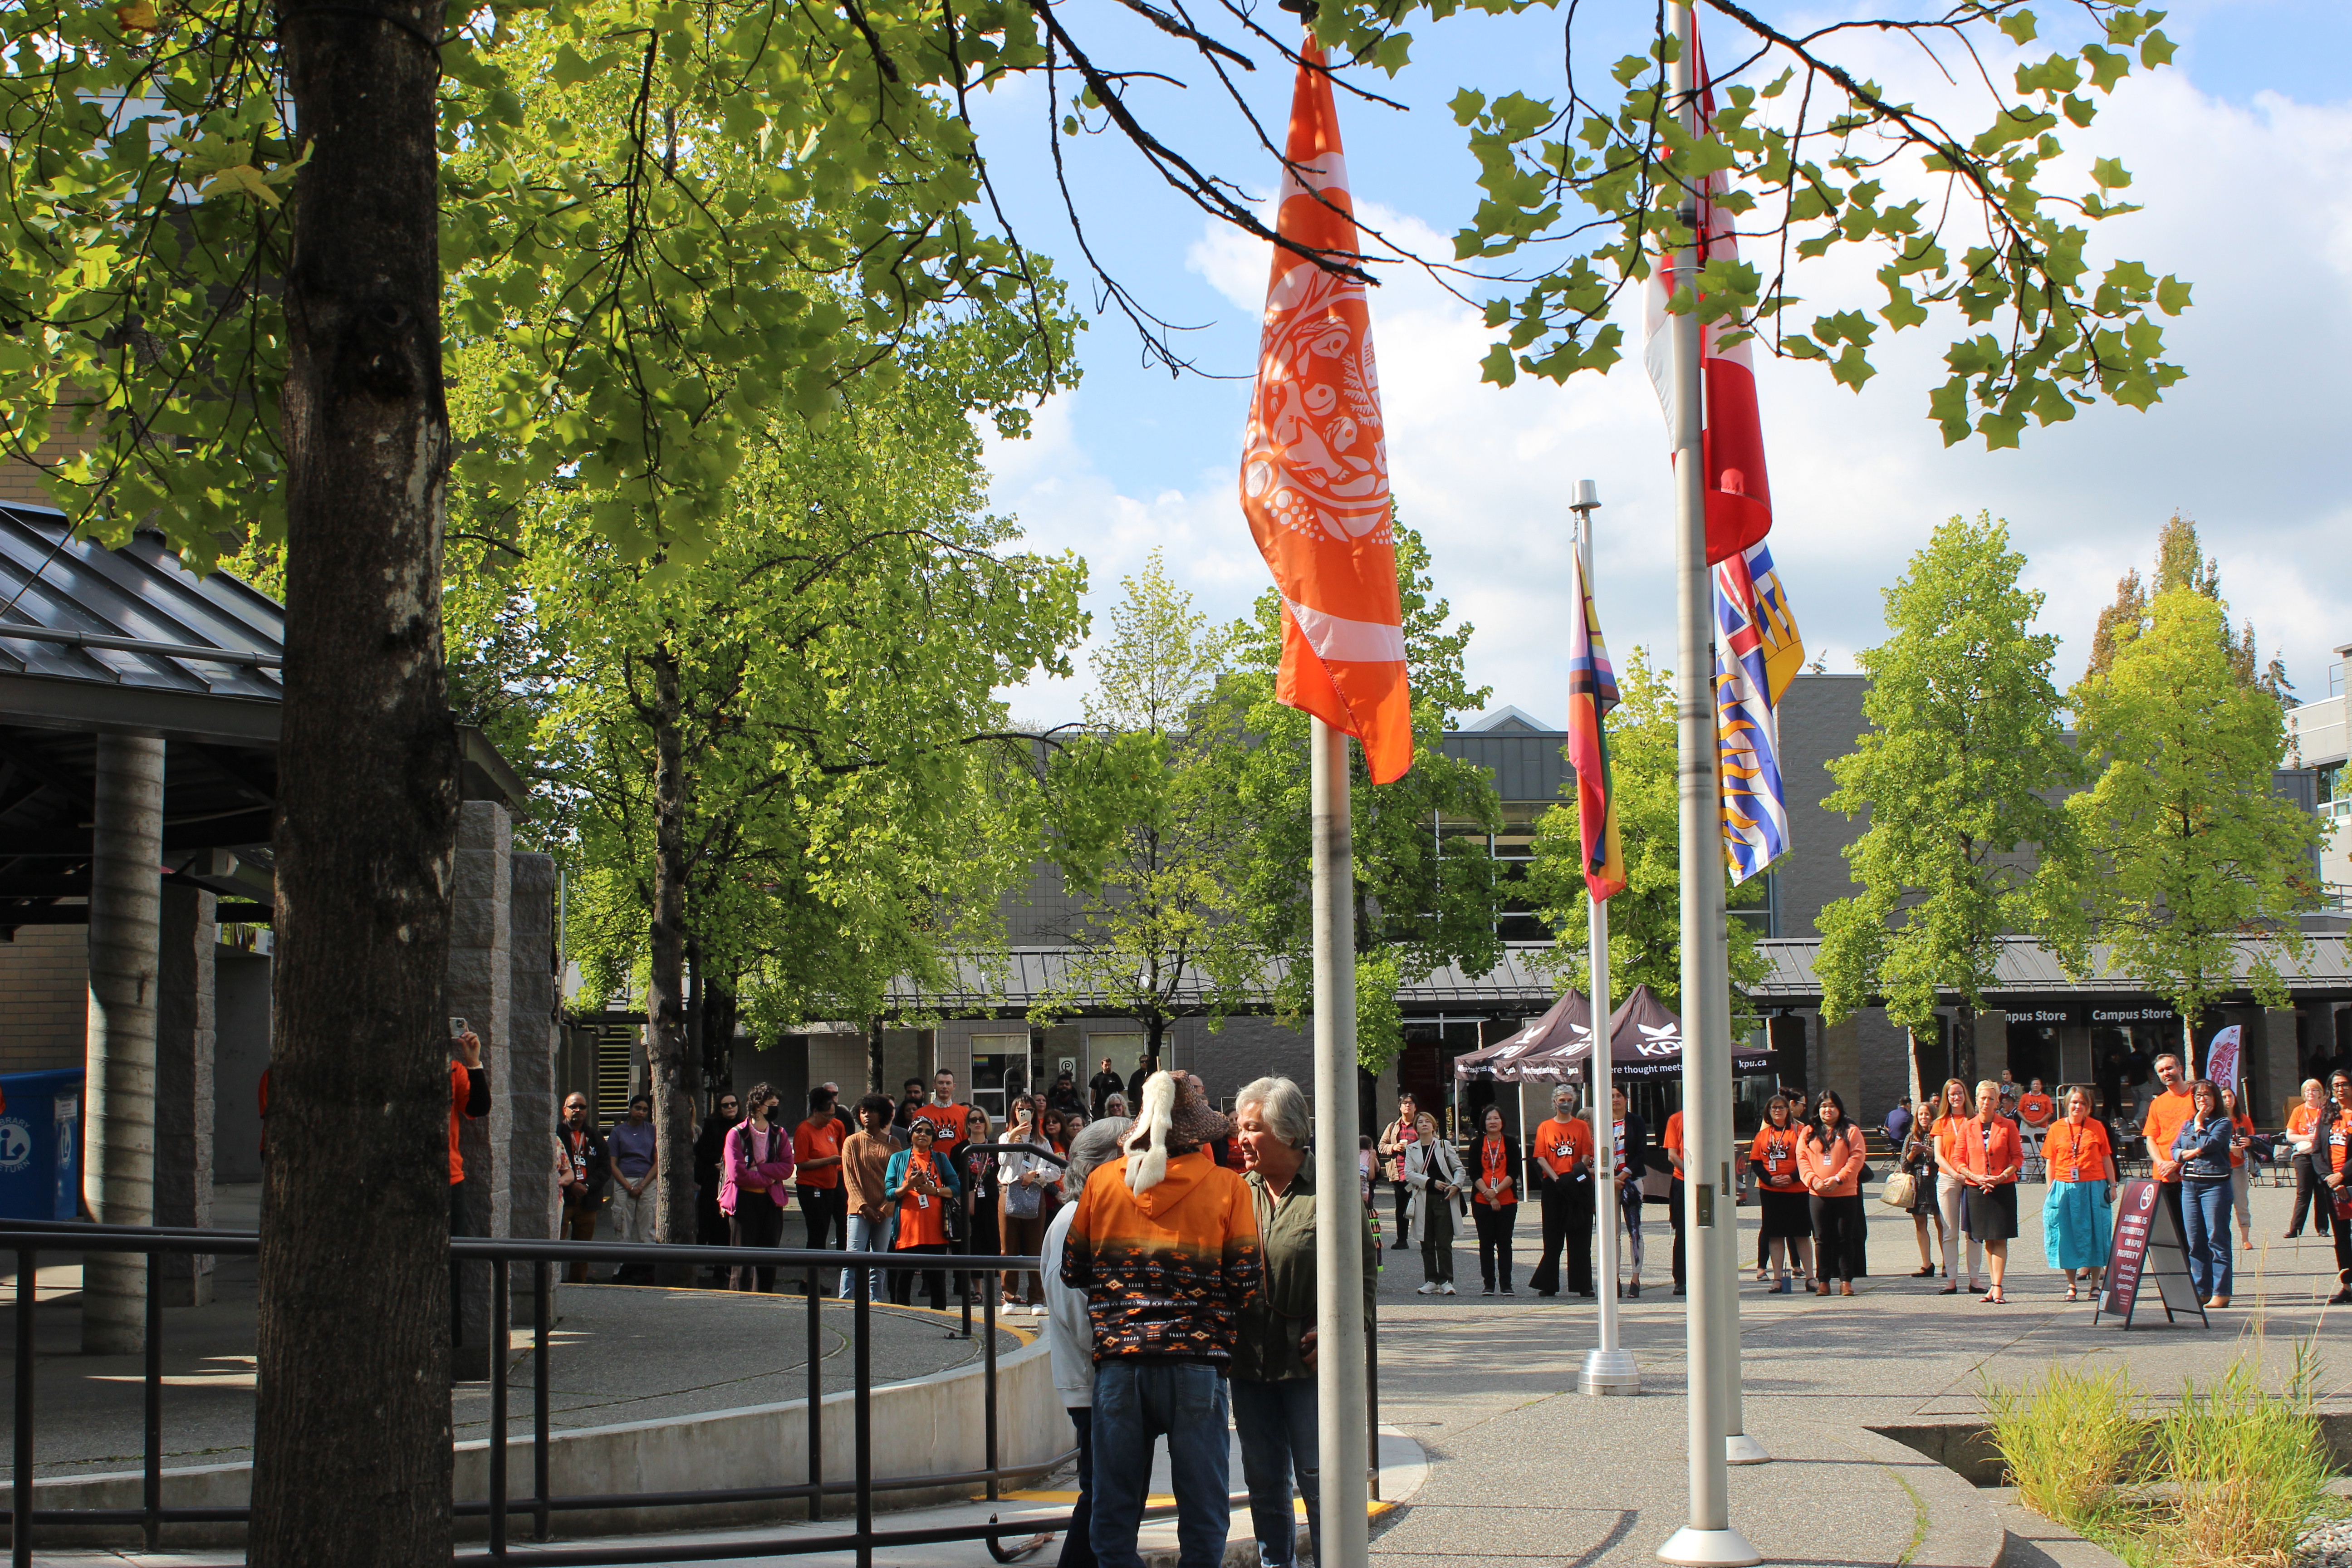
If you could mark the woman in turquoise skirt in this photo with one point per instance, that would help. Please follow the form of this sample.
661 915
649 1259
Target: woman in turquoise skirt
2082 1183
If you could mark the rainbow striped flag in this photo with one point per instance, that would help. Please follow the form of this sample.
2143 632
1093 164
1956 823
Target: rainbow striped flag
1757 653
1592 693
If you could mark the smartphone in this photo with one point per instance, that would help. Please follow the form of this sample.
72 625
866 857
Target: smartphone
456 1027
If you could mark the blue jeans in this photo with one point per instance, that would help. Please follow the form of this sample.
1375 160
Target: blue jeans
1276 1422
865 1236
1135 1402
2205 1214
1078 1546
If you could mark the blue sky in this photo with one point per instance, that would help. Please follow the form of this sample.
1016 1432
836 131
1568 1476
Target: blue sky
2243 154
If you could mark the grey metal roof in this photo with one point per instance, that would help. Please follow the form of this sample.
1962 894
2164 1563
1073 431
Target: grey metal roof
1526 764
1032 973
139 593
2028 969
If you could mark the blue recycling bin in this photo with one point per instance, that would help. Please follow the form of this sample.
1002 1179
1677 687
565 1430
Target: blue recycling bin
40 1145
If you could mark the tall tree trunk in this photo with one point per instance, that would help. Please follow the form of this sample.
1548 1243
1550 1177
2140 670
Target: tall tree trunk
697 1042
873 1065
721 1009
665 1052
1964 1047
351 1425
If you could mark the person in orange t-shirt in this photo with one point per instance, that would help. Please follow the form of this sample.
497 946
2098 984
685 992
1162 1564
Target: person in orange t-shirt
1561 1174
1788 1223
2334 1149
2074 1215
2035 1108
2167 1113
816 1173
1671 1140
2303 1123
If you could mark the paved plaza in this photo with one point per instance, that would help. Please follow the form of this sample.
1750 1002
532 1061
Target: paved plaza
1491 1455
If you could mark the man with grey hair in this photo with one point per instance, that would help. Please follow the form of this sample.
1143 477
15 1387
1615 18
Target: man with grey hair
1070 1333
1273 1358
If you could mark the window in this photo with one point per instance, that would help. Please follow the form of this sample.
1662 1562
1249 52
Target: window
1000 1064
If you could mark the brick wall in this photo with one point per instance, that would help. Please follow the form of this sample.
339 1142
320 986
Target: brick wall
45 998
20 482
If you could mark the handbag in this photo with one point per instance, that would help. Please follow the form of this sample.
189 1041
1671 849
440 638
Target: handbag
1902 1189
2344 1202
1023 1203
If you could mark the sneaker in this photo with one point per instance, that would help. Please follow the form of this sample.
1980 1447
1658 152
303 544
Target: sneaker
1446 1288
1428 1290
1506 1290
1485 1289
1681 1291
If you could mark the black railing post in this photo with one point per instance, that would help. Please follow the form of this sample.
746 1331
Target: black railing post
20 1521
988 1291
151 1490
542 1275
501 1320
863 1397
816 1395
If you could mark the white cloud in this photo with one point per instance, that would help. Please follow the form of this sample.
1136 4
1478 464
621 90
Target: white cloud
2252 204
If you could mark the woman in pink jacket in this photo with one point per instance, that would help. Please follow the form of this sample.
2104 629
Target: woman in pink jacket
1830 1157
755 1183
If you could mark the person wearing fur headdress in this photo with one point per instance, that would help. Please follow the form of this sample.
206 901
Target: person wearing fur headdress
1164 1246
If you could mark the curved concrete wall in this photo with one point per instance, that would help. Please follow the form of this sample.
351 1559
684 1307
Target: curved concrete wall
931 1426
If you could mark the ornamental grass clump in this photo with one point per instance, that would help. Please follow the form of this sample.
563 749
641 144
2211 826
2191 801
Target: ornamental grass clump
2066 1442
2242 1470
2230 1477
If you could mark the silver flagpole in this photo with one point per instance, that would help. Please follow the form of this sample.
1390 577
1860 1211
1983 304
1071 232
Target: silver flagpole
1340 1382
1609 1368
1708 1540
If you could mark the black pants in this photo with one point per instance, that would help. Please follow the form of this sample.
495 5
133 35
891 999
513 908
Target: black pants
826 1212
1674 1216
756 1222
2341 1229
935 1280
1079 1545
1837 1237
2307 1186
1567 1228
1494 1226
709 1220
1403 1202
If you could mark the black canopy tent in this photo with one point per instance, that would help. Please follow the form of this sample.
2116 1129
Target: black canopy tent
1646 1045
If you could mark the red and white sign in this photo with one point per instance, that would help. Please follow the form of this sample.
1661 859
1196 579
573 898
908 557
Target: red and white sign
2221 1058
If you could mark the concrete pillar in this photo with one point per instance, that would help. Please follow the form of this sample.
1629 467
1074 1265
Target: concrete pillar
2271 1061
481 980
1841 1059
2074 1065
1992 1047
186 1042
534 1206
118 1158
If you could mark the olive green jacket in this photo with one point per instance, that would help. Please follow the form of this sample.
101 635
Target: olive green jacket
1275 1320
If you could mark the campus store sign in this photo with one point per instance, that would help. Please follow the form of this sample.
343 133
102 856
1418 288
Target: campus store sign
2090 1014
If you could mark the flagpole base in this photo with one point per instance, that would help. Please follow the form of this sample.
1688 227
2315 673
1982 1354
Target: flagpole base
1740 1448
1696 1548
1610 1372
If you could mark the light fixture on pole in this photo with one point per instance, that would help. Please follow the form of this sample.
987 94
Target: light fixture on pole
1609 1367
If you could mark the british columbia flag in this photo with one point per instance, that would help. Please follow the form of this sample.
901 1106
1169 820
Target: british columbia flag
1757 653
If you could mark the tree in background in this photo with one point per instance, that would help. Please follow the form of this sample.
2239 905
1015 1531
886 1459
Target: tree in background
1422 899
1645 918
2180 562
2197 860
1163 938
1960 773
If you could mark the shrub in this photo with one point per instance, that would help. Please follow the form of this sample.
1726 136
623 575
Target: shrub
2067 1441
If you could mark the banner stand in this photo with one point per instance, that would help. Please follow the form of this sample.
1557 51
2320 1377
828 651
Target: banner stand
2146 1247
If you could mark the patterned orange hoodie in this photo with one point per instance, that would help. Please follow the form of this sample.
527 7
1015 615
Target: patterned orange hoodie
1165 1272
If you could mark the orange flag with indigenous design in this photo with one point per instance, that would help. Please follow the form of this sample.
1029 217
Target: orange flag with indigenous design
1315 470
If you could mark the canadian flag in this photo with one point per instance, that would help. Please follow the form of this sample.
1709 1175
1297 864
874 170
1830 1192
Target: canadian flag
1739 501
1315 470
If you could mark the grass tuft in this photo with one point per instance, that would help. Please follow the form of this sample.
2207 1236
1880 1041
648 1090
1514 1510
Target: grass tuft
2229 1477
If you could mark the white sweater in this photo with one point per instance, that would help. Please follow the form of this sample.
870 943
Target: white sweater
1069 1331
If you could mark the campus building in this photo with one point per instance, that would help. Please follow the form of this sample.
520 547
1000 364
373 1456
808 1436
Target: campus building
2038 1023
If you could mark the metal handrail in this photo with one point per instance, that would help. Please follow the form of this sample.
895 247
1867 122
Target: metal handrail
29 1238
